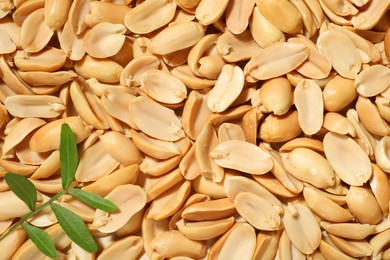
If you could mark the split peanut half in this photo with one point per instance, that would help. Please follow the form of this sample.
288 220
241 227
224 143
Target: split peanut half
229 131
173 243
227 88
309 103
169 202
280 128
7 45
155 186
242 156
276 60
363 205
43 106
176 37
209 210
349 230
264 32
282 14
370 118
334 122
204 146
162 124
316 66
130 246
77 13
129 199
49 59
154 147
357 248
257 211
204 230
35 33
51 132
195 114
348 66
338 149
325 207
150 16
129 153
70 42
56 13
286 180
163 87
237 15
10 244
237 47
302 228
85 103
116 104
238 184
309 166
101 35
338 93
11 201
98 13
104 69
89 169
276 95
243 238
18 133
208 11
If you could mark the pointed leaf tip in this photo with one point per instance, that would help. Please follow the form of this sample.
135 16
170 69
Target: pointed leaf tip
68 156
94 200
75 228
23 188
41 239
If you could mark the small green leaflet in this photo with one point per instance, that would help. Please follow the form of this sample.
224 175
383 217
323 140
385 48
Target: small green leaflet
68 156
74 227
93 200
23 188
41 239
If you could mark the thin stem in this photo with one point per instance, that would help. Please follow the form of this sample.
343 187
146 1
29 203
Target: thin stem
32 213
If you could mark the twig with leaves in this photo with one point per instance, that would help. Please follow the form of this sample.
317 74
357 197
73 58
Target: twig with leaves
70 222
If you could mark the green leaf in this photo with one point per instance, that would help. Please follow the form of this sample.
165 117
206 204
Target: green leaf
41 239
68 156
94 200
74 227
23 188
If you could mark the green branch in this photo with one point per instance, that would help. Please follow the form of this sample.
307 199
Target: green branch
70 222
32 213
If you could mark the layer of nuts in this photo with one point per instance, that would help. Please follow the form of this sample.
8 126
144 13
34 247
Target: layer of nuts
229 129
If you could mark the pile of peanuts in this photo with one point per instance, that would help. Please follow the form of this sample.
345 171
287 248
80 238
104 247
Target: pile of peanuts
222 129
